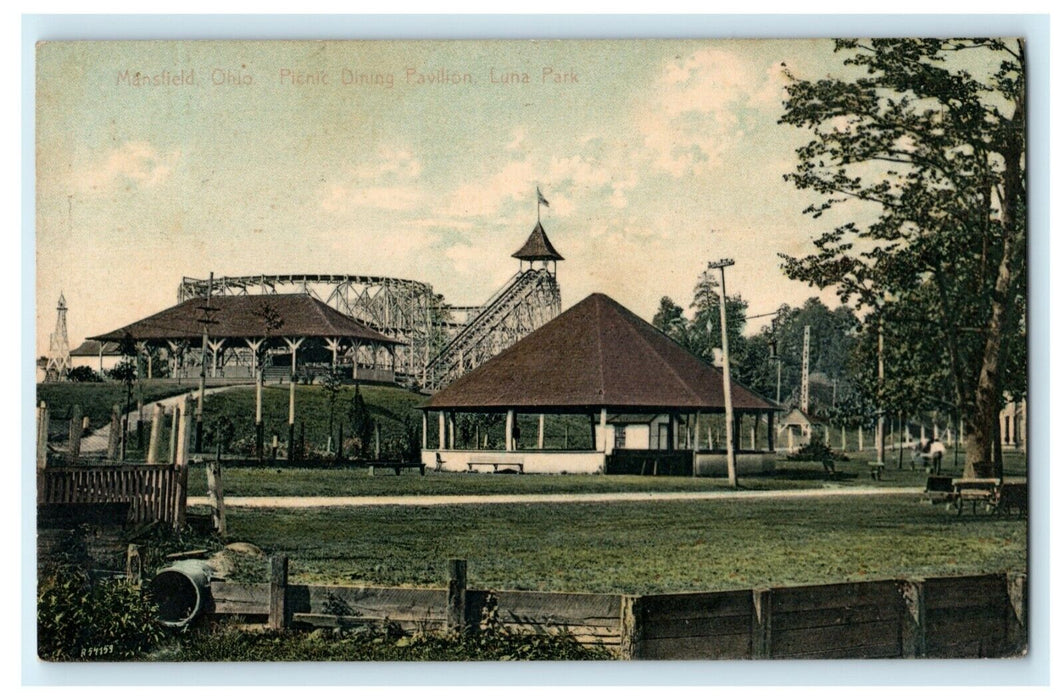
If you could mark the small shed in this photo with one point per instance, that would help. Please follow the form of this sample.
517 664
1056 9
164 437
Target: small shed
624 395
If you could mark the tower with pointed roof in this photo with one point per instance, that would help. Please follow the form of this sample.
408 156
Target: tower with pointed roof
538 248
530 299
58 345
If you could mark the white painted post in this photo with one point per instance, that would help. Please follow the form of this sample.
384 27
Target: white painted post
860 438
424 430
510 430
443 432
450 429
602 430
153 436
539 442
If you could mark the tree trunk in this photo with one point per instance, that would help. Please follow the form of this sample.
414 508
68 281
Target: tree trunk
984 423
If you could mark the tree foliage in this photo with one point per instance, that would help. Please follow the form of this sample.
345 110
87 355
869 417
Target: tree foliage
917 164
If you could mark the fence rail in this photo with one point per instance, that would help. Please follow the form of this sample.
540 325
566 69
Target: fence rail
957 617
153 491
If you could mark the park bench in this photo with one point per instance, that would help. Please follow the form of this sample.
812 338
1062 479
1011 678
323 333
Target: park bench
1007 497
508 467
975 491
939 489
397 466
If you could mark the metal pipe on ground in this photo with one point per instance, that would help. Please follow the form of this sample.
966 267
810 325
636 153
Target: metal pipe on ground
180 590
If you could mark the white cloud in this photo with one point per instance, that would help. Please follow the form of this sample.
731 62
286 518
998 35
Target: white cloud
133 163
690 122
389 181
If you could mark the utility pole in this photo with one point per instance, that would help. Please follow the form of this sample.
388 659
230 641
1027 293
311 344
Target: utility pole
880 436
207 320
729 428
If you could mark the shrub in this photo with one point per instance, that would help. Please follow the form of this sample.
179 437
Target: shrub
84 374
82 619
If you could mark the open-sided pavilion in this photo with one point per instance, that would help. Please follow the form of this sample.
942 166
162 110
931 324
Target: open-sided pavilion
626 397
290 328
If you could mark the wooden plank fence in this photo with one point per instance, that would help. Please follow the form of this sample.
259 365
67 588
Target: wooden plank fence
154 491
959 617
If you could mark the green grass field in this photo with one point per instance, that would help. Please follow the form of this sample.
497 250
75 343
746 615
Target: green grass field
280 480
637 547
97 399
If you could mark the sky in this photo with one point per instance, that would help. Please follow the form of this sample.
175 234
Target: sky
419 160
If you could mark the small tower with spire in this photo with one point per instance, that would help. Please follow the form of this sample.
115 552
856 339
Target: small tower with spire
59 345
538 247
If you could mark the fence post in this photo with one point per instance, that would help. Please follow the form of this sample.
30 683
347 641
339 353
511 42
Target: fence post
761 624
278 592
632 619
456 595
153 434
1016 630
42 450
175 416
913 641
216 495
115 436
134 564
74 435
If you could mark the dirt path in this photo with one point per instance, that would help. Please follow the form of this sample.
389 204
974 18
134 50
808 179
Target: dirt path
452 500
96 442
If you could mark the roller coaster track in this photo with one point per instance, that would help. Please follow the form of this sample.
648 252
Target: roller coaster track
441 342
526 302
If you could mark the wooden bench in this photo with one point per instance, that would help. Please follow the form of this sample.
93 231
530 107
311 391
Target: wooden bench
975 491
517 467
939 489
397 466
1009 496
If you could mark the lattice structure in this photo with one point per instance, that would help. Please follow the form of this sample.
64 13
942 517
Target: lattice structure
441 342
59 345
526 302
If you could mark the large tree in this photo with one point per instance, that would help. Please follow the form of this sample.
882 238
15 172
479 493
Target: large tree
926 139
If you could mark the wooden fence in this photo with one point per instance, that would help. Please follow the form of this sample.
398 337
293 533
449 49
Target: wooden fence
958 617
153 491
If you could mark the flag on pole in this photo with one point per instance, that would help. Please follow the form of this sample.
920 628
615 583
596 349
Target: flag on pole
542 199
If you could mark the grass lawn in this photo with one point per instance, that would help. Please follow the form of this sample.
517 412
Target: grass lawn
637 547
97 399
283 481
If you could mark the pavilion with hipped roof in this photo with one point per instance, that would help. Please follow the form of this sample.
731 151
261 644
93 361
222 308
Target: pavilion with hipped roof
621 396
285 326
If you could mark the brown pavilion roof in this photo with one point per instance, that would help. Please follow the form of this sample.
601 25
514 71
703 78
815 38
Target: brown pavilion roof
537 247
596 354
240 317
95 348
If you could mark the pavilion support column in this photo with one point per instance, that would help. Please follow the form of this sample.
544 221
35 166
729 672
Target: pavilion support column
216 346
255 346
333 344
450 430
354 360
602 430
771 431
539 442
424 430
443 432
753 434
293 345
510 430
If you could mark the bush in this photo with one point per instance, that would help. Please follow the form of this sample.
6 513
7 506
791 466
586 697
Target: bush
816 451
82 619
84 374
373 643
